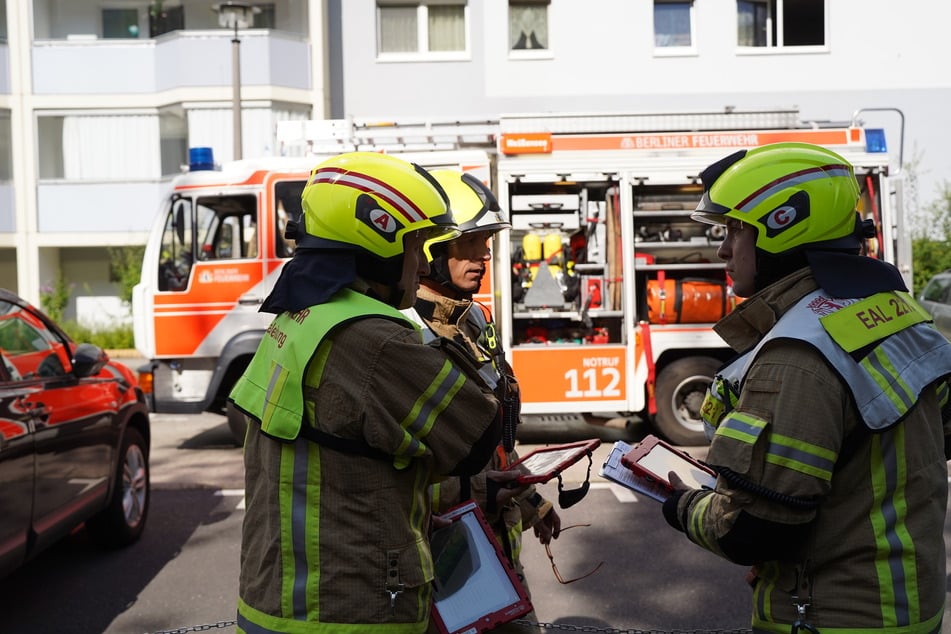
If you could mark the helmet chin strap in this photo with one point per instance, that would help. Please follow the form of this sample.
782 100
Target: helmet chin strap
439 272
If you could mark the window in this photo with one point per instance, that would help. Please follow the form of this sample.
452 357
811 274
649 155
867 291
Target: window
120 23
288 207
528 25
421 28
3 21
99 146
673 24
29 348
227 228
780 23
177 250
265 18
937 290
164 19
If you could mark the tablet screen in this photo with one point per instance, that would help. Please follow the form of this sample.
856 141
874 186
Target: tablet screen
544 462
660 460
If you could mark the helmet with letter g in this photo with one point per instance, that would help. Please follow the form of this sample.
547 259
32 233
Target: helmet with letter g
798 197
477 211
357 209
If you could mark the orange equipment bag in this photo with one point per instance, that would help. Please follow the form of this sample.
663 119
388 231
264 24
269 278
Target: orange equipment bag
686 301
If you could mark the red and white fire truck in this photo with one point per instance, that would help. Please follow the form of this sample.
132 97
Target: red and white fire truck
604 290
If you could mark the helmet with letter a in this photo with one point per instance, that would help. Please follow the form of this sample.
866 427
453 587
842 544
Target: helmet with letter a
474 207
478 213
368 202
797 196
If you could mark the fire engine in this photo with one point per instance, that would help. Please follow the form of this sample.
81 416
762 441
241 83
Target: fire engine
604 291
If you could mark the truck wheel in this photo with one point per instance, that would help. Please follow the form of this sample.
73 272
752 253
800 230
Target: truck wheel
237 423
680 390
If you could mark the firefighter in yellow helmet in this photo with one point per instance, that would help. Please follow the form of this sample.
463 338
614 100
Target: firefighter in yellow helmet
444 308
831 429
342 440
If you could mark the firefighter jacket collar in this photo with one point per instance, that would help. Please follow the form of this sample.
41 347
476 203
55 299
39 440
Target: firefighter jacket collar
434 307
849 276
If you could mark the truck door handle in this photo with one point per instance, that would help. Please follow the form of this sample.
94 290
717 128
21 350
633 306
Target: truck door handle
250 300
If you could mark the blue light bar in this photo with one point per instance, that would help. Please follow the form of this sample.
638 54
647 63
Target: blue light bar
200 159
875 141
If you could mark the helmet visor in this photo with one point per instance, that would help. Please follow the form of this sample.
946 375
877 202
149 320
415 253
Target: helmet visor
710 212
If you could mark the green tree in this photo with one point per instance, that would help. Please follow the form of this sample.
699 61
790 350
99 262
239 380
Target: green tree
931 246
125 269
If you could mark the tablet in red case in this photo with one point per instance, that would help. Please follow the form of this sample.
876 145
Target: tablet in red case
475 588
653 459
543 464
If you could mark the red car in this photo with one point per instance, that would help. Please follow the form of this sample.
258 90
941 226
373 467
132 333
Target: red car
74 439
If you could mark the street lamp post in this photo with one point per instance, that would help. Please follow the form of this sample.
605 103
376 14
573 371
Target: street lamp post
235 15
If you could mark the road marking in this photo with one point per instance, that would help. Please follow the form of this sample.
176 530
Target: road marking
233 493
87 483
623 494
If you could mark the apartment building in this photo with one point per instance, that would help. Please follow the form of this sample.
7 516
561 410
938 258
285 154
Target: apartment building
99 103
877 60
101 99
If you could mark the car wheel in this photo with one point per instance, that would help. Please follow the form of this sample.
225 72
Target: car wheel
237 423
681 388
122 522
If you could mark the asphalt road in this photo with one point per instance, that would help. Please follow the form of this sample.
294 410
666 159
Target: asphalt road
182 575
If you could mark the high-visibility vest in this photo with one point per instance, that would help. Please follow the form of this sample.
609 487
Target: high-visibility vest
271 390
882 346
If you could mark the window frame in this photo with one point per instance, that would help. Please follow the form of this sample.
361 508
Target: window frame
423 54
778 47
530 53
676 51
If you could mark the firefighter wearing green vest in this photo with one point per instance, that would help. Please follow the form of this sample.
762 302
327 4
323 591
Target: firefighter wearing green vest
830 430
351 416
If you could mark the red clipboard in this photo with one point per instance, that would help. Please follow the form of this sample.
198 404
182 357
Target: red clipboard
653 459
543 464
475 588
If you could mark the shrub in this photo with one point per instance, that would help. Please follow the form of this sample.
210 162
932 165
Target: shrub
115 338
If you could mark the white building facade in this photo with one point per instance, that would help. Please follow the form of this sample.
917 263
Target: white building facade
101 99
99 103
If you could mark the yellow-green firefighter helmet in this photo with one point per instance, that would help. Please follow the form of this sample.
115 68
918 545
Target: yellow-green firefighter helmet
795 194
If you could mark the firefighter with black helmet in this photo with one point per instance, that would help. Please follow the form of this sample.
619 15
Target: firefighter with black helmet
830 430
343 440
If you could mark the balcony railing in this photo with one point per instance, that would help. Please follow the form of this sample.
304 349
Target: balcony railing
177 60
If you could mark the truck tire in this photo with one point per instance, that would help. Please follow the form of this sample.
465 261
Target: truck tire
680 390
237 423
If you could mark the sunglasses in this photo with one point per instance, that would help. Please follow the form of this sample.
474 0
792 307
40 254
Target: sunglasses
554 567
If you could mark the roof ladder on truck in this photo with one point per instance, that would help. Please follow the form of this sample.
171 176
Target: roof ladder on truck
333 136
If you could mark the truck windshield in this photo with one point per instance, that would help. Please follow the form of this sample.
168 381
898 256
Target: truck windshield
208 228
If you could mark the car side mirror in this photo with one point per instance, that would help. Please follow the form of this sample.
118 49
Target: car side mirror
88 360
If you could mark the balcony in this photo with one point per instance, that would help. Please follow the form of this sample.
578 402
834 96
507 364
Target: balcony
171 62
96 213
